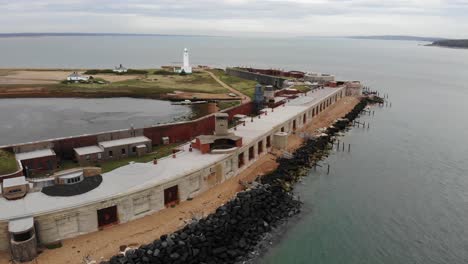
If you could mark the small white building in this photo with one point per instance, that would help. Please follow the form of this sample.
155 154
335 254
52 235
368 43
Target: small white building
120 69
75 76
186 66
319 77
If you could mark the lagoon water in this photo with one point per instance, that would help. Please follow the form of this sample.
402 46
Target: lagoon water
400 196
25 120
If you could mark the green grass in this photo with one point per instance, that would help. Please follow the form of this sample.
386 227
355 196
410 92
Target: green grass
227 104
244 86
302 88
7 162
151 85
158 152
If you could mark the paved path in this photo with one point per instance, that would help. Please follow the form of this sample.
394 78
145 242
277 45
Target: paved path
245 98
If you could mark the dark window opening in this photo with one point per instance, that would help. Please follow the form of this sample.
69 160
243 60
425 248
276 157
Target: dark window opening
294 124
111 153
268 141
304 119
15 191
171 196
282 129
134 149
107 216
260 147
240 160
22 236
123 151
251 153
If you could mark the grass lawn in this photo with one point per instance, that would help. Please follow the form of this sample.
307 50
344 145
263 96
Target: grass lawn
244 86
7 162
227 104
158 152
302 88
147 85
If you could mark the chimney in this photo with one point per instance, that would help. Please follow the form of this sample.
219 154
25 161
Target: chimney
221 124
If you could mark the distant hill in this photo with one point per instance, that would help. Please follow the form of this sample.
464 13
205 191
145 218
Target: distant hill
398 37
70 34
451 43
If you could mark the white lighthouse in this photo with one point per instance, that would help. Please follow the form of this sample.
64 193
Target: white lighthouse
186 66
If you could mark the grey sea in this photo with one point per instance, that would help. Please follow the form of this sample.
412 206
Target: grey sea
399 196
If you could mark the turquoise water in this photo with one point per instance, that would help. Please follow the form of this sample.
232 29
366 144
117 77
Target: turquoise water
400 196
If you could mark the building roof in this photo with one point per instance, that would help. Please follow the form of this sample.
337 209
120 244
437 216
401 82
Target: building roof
16 181
221 115
124 141
88 150
21 224
137 177
120 67
35 154
74 74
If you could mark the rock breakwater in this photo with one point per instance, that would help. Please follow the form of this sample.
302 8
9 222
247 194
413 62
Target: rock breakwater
234 230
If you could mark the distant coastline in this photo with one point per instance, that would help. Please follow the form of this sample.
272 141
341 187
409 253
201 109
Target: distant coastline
451 43
399 37
71 34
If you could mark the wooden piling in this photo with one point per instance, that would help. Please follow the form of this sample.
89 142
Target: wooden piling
349 147
328 169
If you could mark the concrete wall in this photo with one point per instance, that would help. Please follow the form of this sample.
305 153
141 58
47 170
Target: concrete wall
128 149
4 236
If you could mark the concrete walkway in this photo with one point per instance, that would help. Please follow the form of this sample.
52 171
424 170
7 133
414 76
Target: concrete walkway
244 98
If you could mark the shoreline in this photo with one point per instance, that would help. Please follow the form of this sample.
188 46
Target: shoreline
237 230
105 243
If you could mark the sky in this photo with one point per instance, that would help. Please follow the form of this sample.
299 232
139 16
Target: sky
432 18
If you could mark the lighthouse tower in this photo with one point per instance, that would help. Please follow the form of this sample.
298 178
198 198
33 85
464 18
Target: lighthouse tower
186 67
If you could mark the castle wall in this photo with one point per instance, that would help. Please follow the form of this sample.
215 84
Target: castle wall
56 226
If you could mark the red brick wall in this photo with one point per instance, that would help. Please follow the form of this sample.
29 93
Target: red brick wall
64 147
245 109
40 164
180 132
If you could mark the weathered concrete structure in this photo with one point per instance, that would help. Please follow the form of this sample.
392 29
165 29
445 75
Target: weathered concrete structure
113 150
258 77
139 189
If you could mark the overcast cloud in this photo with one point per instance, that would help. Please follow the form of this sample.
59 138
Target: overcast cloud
444 18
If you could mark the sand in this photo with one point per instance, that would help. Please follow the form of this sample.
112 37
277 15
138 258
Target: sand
19 77
105 243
